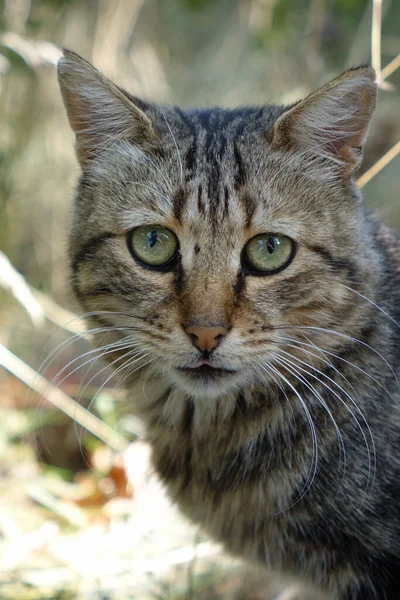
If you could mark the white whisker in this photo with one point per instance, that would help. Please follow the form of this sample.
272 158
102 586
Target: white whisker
344 360
175 144
344 336
371 302
114 373
371 469
314 459
295 370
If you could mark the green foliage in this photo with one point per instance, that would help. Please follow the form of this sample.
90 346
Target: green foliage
196 5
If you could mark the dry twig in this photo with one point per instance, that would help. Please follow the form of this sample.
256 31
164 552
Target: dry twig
390 68
381 75
58 315
78 413
379 165
12 280
376 36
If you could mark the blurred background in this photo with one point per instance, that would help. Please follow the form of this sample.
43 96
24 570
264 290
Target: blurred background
80 514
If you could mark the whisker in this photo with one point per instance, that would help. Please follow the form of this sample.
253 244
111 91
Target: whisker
348 362
371 302
314 458
82 390
296 372
166 179
131 351
344 336
280 386
370 469
147 375
125 346
298 345
104 350
343 390
175 144
58 349
56 382
151 189
130 373
119 369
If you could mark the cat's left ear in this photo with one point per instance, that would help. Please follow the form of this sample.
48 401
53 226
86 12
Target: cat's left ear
331 123
100 113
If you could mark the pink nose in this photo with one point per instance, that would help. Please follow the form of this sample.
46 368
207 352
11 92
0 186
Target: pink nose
206 338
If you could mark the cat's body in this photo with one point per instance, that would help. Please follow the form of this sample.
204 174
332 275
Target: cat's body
344 532
270 397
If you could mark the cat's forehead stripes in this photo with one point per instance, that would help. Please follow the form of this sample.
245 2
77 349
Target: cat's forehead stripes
211 131
214 157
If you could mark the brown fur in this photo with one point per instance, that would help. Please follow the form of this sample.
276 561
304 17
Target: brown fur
289 461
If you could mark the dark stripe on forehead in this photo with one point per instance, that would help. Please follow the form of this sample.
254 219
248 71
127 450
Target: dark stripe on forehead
191 155
210 137
211 131
226 201
178 203
249 205
213 186
200 203
240 173
215 145
204 117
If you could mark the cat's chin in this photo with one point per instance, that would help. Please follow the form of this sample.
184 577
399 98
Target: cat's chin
210 384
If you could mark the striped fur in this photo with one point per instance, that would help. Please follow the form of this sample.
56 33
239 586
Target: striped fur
292 460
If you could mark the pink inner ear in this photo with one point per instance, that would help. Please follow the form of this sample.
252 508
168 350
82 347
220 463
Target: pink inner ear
346 139
332 122
78 110
336 141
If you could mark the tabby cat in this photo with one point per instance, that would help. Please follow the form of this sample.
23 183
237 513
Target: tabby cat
226 262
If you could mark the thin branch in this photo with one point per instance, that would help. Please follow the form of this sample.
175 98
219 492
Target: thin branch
390 68
376 37
78 413
12 280
378 166
58 315
38 305
67 510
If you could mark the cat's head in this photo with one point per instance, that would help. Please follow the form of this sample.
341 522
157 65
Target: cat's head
206 242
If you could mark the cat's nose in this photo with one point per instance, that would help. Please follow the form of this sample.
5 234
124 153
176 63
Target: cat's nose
206 339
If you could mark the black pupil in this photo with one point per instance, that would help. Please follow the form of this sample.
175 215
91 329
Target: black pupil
270 245
153 238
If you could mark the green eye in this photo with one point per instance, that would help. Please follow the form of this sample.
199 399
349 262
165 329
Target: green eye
268 253
153 245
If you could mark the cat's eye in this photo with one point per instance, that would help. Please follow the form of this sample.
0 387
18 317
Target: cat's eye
268 253
154 246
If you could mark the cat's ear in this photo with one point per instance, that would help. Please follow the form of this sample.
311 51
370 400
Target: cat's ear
332 122
99 112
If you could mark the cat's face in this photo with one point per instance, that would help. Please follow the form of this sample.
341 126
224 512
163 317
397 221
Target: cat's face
211 242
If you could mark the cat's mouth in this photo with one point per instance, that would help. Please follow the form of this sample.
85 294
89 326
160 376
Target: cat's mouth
206 371
206 378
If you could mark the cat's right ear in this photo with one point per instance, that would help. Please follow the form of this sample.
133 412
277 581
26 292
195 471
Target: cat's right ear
330 126
99 112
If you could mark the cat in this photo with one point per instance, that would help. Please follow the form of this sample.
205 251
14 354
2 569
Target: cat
225 262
